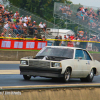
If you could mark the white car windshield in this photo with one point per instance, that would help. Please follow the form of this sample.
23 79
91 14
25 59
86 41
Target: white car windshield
57 52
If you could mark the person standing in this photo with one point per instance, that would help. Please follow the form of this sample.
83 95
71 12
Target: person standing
56 42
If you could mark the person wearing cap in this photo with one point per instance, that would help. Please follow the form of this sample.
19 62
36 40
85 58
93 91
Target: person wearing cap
15 15
21 19
34 23
9 35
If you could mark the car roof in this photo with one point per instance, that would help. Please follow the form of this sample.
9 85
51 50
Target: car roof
65 47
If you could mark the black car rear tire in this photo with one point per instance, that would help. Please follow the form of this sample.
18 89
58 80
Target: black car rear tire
89 78
26 77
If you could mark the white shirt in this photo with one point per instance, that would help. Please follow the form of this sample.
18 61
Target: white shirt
44 25
41 25
25 25
77 43
6 26
25 19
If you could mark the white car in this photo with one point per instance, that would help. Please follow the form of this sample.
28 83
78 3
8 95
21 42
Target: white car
60 62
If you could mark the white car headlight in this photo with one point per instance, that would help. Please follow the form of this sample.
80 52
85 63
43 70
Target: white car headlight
24 62
55 64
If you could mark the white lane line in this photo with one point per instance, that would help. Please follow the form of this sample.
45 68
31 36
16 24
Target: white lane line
9 71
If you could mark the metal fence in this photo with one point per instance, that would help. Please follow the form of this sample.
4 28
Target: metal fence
38 19
33 17
73 16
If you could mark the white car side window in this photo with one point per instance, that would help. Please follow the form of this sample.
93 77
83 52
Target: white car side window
87 57
79 53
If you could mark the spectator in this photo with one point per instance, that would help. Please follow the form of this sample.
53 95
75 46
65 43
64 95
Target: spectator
40 25
16 13
9 35
56 42
21 19
2 35
36 33
82 15
34 23
64 43
17 20
26 20
15 30
9 19
6 27
35 38
29 19
18 28
44 26
77 43
60 38
30 29
43 38
86 9
98 12
14 19
17 36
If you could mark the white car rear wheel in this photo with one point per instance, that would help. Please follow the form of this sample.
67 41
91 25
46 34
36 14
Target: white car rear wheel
90 76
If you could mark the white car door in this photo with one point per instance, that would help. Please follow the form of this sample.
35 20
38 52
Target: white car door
89 63
80 67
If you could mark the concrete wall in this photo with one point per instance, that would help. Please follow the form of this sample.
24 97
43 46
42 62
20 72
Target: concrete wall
53 94
17 55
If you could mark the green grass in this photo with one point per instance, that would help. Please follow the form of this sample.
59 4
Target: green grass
38 50
94 52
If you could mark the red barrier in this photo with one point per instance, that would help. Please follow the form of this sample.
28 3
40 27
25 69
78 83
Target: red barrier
22 44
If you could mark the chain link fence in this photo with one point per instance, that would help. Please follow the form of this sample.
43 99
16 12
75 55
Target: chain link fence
24 13
89 23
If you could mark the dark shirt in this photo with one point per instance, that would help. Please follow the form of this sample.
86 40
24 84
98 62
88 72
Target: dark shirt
56 43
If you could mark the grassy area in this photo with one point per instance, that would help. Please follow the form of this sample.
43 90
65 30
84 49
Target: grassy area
38 50
94 52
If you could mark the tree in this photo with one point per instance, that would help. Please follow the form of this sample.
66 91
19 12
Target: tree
42 8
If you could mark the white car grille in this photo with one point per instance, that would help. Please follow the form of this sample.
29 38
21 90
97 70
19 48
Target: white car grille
41 64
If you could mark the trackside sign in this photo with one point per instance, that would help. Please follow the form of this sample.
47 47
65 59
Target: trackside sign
22 44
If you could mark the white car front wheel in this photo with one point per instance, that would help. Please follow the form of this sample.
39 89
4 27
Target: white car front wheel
67 75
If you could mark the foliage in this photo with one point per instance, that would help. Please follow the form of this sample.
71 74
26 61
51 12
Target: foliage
42 8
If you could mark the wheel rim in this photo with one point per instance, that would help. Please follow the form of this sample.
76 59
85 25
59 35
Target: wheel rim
67 75
91 74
